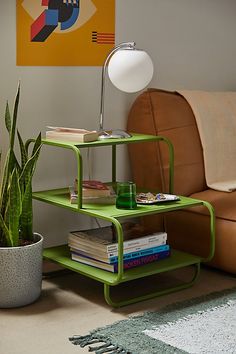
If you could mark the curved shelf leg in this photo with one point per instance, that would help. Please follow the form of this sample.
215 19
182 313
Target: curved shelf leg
121 303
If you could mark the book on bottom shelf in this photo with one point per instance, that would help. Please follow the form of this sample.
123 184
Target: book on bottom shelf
113 259
127 264
104 240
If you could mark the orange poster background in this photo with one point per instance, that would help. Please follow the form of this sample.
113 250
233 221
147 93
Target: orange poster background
72 47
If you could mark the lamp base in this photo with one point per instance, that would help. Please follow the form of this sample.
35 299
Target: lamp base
113 134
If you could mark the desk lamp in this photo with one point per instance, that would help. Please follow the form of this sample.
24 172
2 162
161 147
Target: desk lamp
130 70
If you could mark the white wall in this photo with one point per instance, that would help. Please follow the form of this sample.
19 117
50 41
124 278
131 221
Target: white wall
192 44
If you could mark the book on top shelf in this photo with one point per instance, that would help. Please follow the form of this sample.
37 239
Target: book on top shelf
114 259
104 239
127 264
71 134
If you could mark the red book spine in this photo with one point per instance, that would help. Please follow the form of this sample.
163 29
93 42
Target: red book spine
128 264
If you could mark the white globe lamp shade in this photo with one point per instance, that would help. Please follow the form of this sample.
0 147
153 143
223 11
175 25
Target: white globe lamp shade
130 70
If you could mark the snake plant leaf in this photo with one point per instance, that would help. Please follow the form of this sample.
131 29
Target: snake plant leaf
10 164
11 161
8 118
23 151
14 120
26 182
29 167
26 219
14 207
6 232
37 144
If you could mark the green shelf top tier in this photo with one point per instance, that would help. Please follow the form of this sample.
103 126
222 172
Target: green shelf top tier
61 255
60 197
135 138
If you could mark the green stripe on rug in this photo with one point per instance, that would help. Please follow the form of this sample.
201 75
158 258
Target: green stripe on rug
206 324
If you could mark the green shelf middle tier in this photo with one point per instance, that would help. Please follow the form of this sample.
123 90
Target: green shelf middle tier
60 198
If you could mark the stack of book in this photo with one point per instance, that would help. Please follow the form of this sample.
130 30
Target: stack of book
99 247
93 192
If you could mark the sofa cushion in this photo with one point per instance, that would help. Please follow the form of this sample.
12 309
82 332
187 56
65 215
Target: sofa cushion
190 232
159 112
224 203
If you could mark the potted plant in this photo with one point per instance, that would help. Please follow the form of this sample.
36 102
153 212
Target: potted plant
20 247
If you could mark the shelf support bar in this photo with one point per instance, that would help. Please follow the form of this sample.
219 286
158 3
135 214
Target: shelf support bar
151 295
79 174
113 163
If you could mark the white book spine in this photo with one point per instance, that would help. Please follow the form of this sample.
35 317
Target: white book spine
148 241
93 249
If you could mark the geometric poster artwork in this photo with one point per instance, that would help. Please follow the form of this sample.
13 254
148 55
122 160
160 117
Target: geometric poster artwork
64 32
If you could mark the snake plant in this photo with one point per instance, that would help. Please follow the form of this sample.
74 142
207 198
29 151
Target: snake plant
16 212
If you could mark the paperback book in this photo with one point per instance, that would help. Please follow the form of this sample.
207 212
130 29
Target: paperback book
93 251
104 240
127 264
126 256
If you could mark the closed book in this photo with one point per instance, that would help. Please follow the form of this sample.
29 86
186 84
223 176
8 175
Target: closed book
93 188
95 193
71 134
94 197
94 252
93 184
127 264
114 259
105 240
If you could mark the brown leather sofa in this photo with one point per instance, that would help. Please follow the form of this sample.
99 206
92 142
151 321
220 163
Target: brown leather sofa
159 112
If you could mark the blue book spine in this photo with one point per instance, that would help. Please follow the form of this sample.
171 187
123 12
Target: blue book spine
141 253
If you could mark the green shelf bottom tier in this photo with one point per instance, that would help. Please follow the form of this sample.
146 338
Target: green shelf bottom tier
178 259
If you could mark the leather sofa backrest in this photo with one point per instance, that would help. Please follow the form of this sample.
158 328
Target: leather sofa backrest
159 112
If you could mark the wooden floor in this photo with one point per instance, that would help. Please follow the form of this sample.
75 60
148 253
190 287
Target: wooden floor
71 304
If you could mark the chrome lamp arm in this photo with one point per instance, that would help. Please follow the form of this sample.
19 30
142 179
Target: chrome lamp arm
125 45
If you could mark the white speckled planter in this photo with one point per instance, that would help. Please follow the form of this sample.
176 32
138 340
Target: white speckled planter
21 274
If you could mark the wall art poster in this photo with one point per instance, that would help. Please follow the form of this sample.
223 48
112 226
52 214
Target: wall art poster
64 32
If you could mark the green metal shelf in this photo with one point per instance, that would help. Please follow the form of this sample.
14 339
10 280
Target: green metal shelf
60 198
135 138
61 255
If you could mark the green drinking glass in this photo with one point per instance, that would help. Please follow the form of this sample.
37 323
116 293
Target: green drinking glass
126 195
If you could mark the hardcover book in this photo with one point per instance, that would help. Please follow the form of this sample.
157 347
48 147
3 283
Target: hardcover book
127 264
114 259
